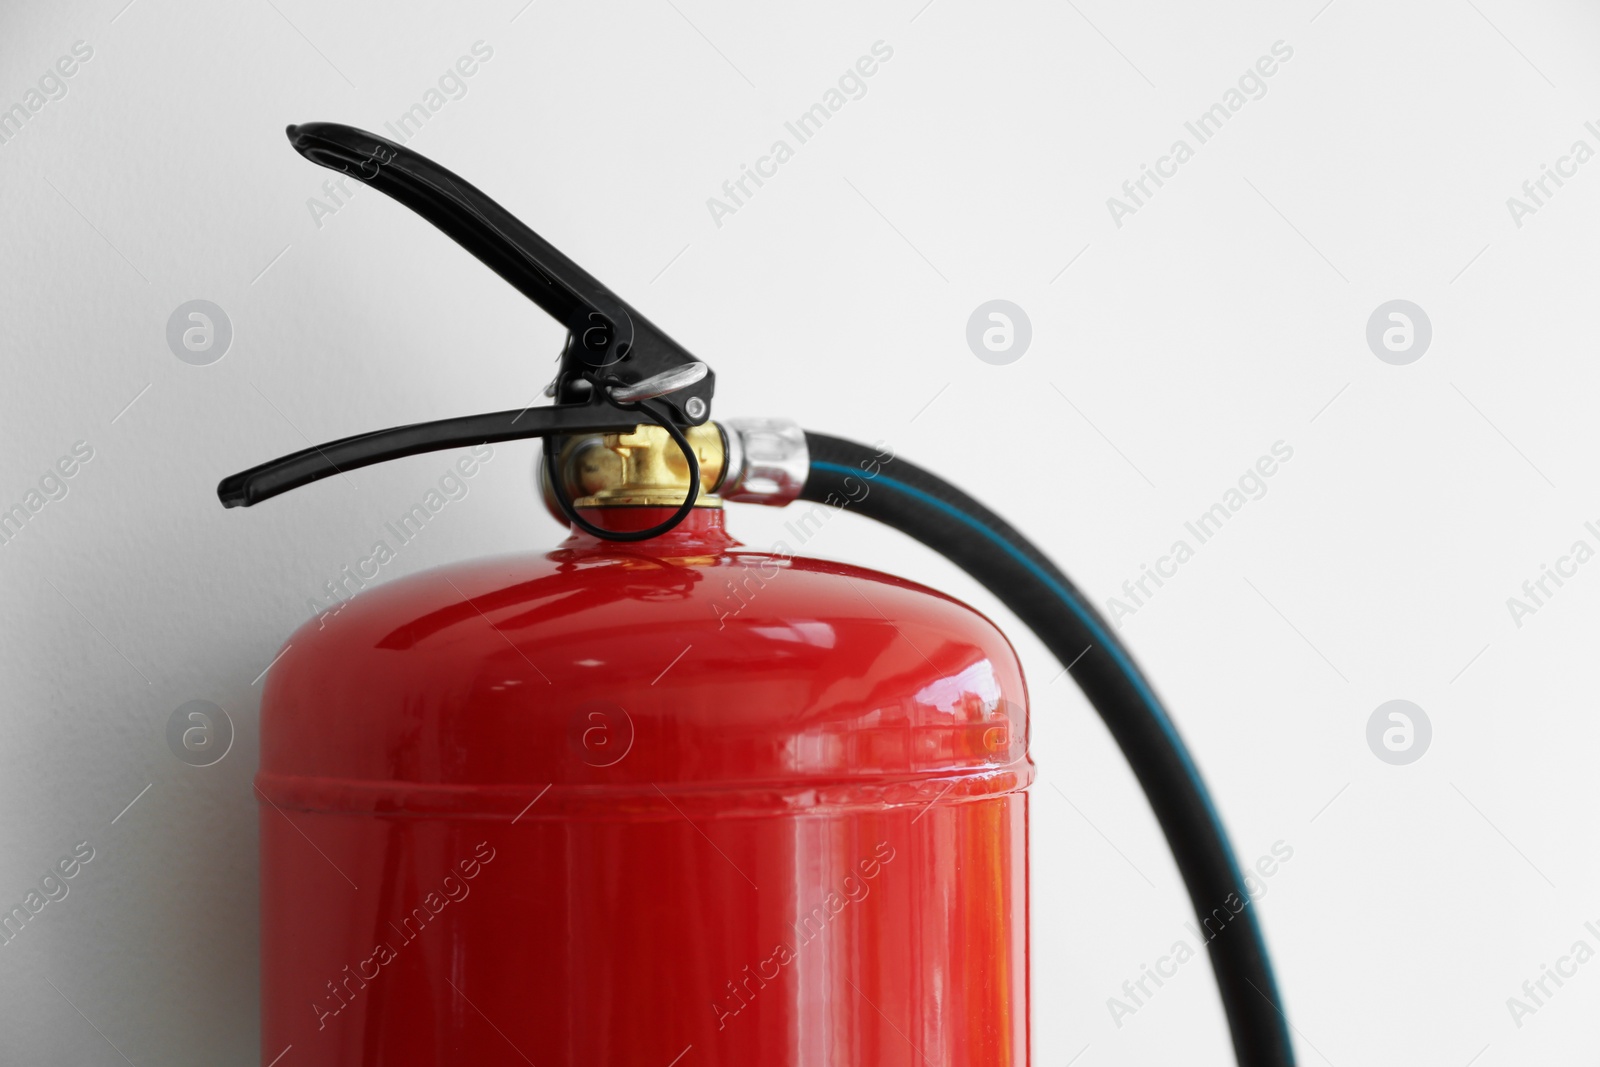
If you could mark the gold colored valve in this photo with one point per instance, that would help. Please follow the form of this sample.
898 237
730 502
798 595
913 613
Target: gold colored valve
645 468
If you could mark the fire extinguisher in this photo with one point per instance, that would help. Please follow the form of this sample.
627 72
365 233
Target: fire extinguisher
652 797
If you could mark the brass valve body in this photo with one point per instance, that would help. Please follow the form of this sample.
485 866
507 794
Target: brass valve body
644 468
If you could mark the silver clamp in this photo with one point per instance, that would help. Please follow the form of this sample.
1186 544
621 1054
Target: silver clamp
767 461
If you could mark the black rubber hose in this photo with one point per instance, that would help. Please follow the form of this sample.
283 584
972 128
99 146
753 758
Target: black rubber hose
922 505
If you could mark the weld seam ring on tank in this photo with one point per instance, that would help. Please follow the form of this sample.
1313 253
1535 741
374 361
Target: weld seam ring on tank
510 803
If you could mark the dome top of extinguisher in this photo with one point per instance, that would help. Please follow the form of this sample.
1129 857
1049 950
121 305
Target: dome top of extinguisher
598 670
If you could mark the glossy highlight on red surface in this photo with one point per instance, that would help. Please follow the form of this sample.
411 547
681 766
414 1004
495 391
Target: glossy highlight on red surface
618 804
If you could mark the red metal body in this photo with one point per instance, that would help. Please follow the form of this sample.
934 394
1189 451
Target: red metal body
673 803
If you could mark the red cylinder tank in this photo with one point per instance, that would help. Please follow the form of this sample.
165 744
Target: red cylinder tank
668 803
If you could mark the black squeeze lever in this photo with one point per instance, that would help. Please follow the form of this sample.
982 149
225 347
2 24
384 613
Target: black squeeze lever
617 369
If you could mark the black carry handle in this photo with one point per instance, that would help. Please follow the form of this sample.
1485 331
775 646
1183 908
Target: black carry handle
615 359
349 453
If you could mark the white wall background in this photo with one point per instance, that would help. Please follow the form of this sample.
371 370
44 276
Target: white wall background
1227 314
